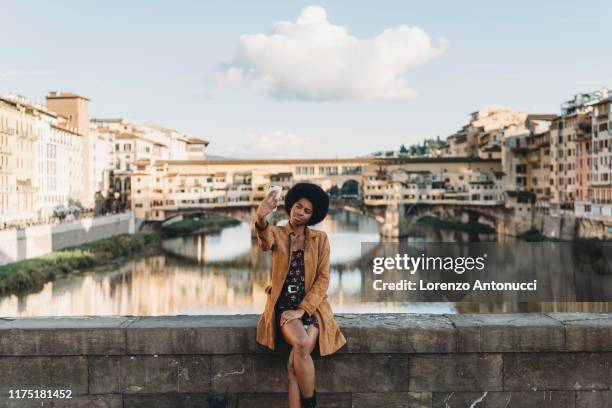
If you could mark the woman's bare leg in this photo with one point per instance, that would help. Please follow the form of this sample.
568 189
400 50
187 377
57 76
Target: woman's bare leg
302 343
294 388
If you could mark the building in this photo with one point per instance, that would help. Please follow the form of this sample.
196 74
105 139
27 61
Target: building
182 184
41 162
483 136
526 162
578 155
136 146
18 161
601 159
449 180
75 109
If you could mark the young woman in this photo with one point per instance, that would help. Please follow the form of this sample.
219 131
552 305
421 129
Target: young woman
297 305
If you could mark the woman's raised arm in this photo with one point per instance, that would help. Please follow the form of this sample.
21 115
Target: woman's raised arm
265 237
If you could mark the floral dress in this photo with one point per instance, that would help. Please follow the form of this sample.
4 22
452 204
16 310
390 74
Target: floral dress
288 300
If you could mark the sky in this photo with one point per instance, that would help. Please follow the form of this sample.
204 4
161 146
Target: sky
286 79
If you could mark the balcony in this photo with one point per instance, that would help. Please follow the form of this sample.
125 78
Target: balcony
583 136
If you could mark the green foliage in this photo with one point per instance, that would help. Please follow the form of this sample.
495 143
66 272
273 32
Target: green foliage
31 274
194 225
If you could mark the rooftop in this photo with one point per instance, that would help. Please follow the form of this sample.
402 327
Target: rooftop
64 95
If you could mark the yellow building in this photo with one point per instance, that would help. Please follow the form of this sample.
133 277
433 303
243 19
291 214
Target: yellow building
41 162
18 162
75 109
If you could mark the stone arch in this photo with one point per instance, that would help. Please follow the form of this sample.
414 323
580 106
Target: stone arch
351 187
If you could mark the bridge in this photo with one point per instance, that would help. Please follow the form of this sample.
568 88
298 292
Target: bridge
393 219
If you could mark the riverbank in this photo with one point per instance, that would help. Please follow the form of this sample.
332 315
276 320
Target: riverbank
533 235
197 225
456 225
30 275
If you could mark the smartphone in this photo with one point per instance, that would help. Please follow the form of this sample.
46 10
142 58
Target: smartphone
278 190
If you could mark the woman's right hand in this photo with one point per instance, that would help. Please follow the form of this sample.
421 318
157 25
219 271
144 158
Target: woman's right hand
267 205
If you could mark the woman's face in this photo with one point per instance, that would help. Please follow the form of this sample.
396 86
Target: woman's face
301 212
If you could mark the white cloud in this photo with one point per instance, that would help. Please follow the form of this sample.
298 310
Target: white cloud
271 145
312 59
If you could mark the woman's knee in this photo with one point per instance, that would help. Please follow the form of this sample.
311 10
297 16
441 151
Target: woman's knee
301 346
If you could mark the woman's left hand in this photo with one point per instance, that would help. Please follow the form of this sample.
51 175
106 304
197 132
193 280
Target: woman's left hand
288 315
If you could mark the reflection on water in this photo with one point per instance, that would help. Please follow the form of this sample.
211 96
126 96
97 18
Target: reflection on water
226 273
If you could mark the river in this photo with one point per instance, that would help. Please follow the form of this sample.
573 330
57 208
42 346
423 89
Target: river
226 273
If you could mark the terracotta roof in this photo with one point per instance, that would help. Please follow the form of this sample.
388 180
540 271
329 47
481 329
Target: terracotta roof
66 130
194 140
542 116
126 135
64 95
112 120
30 106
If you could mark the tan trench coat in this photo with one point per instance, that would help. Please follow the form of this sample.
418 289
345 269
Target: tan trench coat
316 268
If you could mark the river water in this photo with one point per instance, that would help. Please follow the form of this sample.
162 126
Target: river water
226 273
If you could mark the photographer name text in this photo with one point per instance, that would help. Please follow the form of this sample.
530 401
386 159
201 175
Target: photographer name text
421 285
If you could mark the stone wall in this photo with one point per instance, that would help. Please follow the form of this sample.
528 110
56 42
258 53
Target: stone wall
558 360
570 227
16 245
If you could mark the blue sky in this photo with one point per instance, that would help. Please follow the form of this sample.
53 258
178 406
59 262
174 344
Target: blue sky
162 62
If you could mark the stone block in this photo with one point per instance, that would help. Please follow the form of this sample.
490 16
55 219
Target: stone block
398 333
37 373
392 400
586 332
456 372
194 335
63 336
271 372
173 400
280 400
503 399
362 373
81 401
557 371
593 399
508 332
232 373
149 374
